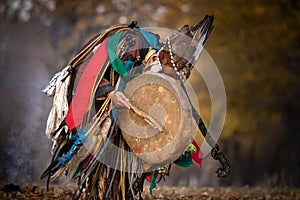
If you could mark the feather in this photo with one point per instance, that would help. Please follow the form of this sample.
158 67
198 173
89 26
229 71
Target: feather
187 44
201 32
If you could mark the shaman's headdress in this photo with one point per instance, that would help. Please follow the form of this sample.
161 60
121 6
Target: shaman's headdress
183 47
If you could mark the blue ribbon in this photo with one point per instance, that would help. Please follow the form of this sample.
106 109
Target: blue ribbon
150 38
79 138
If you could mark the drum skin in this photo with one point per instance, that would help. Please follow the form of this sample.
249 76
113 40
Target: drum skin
161 97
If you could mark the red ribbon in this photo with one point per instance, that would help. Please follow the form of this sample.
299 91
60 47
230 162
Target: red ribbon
197 156
85 86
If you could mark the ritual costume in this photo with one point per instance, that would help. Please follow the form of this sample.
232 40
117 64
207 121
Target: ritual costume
111 151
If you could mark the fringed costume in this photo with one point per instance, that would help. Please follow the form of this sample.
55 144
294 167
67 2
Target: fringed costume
84 124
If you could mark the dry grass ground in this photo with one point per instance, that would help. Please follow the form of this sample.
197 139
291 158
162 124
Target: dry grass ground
224 193
36 191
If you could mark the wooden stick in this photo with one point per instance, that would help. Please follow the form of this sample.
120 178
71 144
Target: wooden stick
148 118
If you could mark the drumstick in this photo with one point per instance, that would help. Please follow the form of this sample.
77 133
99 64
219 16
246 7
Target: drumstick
148 118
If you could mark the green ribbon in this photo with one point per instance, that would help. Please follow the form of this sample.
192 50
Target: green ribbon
184 160
191 148
153 181
111 47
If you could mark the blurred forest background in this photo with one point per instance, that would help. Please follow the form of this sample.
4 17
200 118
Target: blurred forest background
255 45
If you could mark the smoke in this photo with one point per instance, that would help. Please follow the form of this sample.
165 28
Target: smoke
20 164
24 149
26 143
